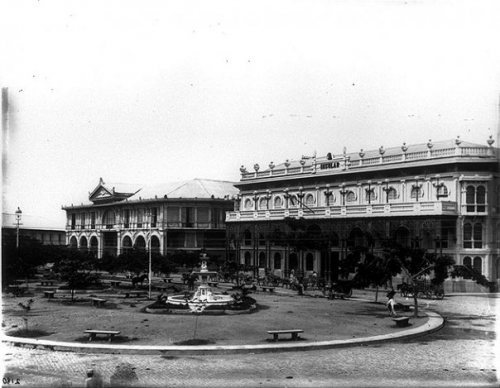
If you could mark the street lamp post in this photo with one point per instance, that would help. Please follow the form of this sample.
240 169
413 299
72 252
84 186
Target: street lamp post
150 274
19 214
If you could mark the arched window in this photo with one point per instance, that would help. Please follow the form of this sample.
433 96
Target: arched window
73 243
370 195
248 204
155 244
309 262
94 245
475 198
480 199
248 237
350 196
83 243
392 194
356 238
126 244
262 260
473 235
277 260
470 198
478 264
140 243
278 203
478 235
441 191
293 201
263 204
248 258
468 264
416 192
467 236
309 200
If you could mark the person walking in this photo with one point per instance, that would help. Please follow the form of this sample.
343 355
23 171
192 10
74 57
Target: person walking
391 303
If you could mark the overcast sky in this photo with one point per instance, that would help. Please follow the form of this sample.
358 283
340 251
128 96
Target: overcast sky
159 91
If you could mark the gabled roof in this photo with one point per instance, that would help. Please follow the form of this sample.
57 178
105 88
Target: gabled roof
111 192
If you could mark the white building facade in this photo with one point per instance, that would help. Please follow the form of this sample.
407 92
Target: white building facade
440 196
180 216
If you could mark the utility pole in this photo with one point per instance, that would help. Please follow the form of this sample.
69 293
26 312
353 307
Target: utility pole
149 244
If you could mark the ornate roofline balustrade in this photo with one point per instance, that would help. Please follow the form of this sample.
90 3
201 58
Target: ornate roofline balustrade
373 159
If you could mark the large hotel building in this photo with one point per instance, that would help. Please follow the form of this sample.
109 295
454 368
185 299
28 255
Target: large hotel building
442 196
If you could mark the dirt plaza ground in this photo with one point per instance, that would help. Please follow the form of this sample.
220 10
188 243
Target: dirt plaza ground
462 354
320 318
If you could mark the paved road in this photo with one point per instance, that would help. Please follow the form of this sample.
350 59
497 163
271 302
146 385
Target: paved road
461 354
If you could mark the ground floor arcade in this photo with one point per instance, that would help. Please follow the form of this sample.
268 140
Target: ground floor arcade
305 246
116 242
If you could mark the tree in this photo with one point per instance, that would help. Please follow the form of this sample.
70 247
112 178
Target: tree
161 263
132 260
181 258
416 262
76 269
467 272
22 262
375 270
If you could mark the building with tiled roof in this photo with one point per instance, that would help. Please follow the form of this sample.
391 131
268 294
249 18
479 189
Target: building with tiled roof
179 216
441 196
45 230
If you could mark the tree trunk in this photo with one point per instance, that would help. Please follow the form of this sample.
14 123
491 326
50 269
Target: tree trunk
415 304
376 294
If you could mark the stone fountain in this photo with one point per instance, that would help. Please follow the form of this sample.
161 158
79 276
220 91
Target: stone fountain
203 297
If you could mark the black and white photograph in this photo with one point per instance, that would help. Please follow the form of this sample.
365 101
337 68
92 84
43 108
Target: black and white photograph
236 193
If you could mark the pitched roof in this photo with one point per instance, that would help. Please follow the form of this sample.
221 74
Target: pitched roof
195 188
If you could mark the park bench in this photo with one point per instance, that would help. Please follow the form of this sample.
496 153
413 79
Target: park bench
137 294
114 283
167 280
401 321
49 294
47 283
265 288
98 302
213 284
109 333
293 332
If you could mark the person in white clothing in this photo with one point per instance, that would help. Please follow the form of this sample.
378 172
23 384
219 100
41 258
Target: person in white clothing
391 303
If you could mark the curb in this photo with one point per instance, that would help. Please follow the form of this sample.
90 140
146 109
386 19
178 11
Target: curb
434 323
